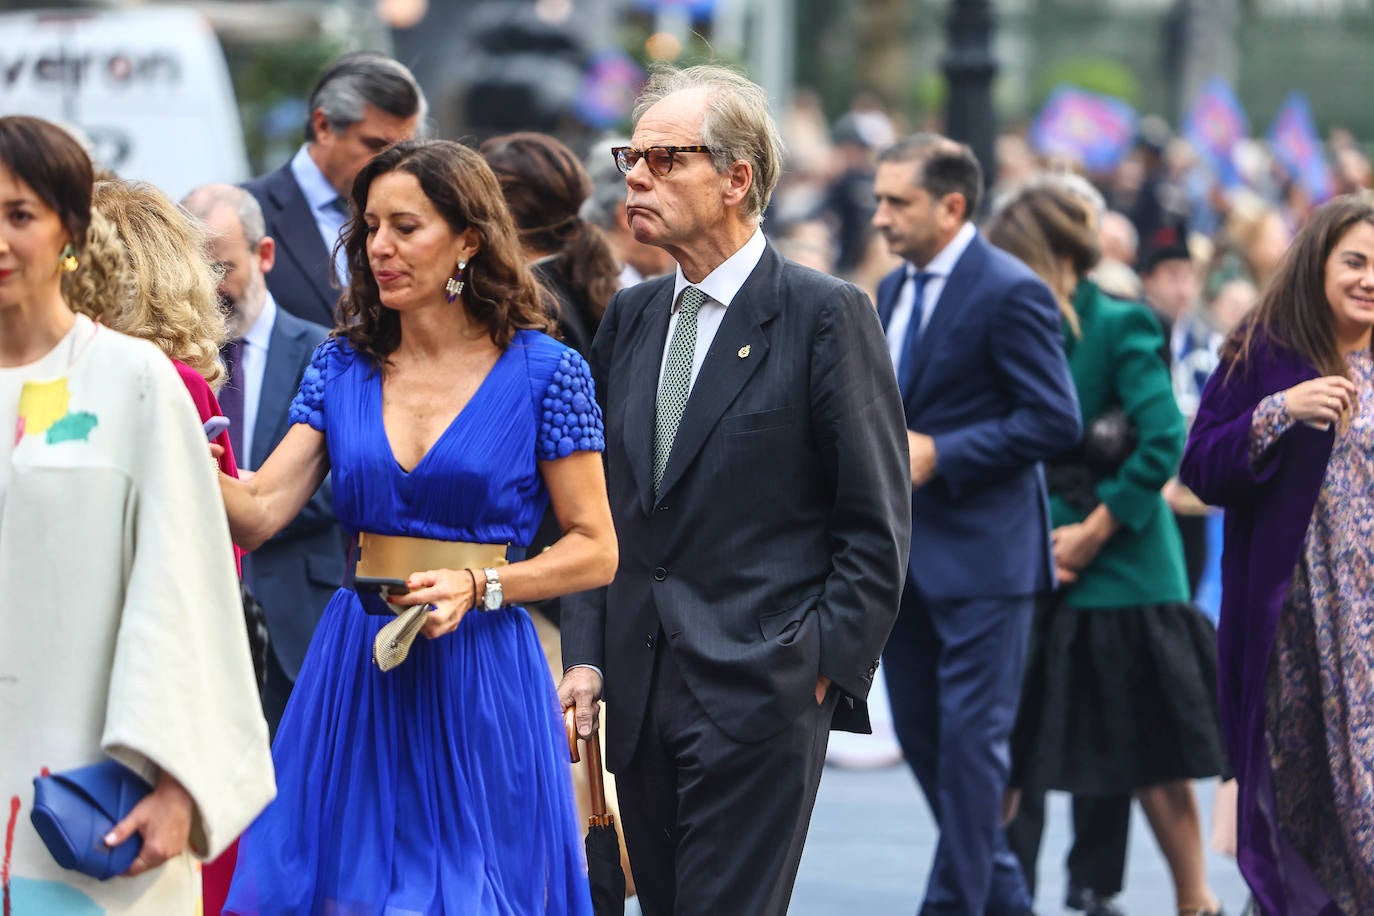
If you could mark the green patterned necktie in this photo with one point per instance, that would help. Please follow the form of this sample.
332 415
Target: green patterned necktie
677 379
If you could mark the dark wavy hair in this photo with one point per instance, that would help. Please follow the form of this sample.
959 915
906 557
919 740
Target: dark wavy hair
501 293
50 161
545 185
1293 310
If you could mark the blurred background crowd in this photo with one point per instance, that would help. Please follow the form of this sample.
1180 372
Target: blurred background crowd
1208 130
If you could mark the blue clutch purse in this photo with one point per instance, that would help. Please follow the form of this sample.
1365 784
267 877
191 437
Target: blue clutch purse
72 812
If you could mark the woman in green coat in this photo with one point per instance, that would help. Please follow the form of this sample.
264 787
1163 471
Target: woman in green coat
1120 696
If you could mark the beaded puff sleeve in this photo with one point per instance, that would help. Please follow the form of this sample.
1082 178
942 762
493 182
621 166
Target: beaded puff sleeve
570 418
308 405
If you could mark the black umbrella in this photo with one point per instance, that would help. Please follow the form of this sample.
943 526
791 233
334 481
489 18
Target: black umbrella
603 844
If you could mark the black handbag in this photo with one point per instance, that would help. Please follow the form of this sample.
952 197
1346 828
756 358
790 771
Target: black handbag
1108 440
75 809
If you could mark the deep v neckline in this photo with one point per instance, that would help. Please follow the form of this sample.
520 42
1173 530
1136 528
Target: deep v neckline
386 437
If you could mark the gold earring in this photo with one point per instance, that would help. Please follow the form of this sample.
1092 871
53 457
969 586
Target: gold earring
69 261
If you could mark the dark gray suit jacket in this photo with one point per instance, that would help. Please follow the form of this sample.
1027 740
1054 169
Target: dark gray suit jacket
295 573
777 546
302 280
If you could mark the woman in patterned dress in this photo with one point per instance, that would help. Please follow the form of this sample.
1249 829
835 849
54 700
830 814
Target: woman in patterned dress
1284 442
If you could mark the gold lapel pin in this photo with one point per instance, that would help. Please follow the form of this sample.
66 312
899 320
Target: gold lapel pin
744 352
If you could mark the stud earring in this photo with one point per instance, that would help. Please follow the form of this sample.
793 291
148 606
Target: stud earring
69 261
454 287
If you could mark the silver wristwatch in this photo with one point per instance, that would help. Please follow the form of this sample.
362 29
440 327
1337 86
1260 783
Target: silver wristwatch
493 600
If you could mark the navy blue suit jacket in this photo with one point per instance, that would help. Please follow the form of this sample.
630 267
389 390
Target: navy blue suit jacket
295 573
302 280
773 550
991 385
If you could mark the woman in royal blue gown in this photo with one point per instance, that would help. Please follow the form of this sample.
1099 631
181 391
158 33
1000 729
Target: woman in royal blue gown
445 415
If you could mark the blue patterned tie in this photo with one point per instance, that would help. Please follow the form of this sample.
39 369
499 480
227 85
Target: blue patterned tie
231 397
907 370
677 379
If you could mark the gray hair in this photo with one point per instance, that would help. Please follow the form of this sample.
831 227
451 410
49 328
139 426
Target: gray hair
207 198
608 186
737 125
365 78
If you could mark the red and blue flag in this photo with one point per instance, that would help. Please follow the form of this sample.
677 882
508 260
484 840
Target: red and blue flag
1214 125
1296 146
1096 129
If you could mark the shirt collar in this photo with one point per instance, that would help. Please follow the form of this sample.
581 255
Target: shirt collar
319 193
723 283
942 265
260 334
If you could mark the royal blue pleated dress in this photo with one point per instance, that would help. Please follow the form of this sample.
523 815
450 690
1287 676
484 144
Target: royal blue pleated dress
442 786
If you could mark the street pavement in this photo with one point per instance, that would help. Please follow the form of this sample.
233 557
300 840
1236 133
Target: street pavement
872 839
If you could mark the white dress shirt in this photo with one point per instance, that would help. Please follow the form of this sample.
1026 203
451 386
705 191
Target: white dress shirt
253 353
938 271
720 286
324 206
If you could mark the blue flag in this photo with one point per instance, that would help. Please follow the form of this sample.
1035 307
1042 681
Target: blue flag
1214 125
609 88
1096 129
1297 147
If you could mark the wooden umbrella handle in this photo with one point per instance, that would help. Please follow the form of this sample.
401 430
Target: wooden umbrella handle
595 781
570 724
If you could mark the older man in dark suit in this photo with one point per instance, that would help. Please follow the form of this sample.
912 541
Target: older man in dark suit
362 104
758 479
975 338
294 574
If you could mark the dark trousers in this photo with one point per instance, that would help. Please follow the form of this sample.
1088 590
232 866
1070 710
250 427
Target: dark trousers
714 826
1097 859
275 692
1193 530
953 670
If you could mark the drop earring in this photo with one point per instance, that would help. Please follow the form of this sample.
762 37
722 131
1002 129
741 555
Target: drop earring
69 262
454 287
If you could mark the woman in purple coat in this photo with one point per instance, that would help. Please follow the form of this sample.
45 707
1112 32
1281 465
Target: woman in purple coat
1284 442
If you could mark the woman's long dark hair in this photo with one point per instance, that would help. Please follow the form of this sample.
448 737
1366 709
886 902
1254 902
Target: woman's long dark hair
545 186
500 292
1293 310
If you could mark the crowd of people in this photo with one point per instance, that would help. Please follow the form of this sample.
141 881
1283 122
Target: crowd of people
680 444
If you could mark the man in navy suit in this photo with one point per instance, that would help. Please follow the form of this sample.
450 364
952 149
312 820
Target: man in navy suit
294 574
756 469
975 338
362 104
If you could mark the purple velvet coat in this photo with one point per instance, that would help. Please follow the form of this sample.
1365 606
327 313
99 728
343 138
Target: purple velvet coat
1268 510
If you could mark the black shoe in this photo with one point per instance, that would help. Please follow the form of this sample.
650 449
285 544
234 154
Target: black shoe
1091 904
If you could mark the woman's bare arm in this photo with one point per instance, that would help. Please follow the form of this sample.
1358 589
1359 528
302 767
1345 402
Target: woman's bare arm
262 505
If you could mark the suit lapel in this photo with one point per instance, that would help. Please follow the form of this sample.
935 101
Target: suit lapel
888 291
725 371
279 380
642 397
297 232
952 301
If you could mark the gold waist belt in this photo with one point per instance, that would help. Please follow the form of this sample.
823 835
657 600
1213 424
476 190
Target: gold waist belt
395 557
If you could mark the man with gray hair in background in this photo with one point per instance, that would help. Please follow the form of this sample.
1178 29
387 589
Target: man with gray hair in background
294 574
363 103
757 473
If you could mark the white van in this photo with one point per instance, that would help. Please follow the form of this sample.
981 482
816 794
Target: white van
147 86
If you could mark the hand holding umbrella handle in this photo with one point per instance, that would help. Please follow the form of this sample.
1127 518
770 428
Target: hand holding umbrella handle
595 779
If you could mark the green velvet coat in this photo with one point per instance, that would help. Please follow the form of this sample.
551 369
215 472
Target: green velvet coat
1117 361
